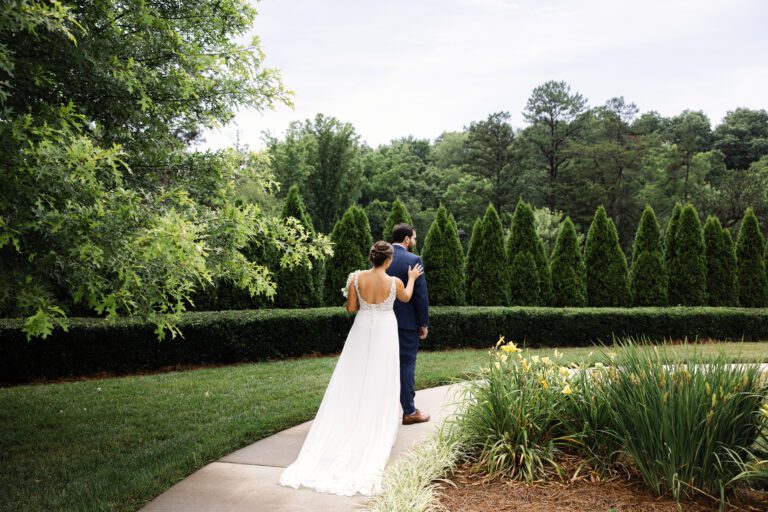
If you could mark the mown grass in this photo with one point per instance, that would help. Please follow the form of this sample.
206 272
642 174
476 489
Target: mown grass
114 444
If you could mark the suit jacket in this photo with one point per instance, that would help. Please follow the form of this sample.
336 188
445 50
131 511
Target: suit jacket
413 314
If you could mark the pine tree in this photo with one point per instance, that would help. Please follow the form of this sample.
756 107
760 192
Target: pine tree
669 234
523 237
297 287
524 280
721 264
648 275
398 215
346 257
688 266
569 274
444 258
607 279
362 230
750 255
488 286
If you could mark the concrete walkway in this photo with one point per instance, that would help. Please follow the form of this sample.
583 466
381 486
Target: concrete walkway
246 480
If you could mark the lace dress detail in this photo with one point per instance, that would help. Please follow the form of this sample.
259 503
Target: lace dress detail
350 440
381 306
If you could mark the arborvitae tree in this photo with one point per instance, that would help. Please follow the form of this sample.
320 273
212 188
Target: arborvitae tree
669 234
457 249
569 274
524 280
398 215
607 280
750 254
297 287
730 250
688 266
444 258
346 258
469 261
362 230
648 275
488 286
523 237
721 264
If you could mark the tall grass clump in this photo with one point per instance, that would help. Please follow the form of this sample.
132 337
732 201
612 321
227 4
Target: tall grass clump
409 484
511 422
683 421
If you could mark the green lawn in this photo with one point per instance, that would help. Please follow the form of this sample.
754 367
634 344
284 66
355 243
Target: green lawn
114 444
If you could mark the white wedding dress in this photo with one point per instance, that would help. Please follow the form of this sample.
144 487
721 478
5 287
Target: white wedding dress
350 440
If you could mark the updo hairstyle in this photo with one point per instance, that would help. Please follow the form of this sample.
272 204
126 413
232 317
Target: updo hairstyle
380 252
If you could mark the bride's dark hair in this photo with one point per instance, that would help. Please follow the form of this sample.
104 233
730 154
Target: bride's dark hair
380 252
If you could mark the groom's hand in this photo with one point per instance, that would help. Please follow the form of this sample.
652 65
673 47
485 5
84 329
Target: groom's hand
423 332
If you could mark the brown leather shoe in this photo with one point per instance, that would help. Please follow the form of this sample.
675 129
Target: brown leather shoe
416 417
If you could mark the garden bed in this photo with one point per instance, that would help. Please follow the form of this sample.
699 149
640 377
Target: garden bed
585 493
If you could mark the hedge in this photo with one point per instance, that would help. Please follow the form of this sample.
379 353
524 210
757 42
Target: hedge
128 345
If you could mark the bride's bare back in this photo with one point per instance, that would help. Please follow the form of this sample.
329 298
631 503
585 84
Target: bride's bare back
375 285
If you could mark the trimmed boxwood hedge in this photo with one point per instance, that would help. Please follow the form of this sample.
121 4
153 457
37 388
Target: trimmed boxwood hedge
128 345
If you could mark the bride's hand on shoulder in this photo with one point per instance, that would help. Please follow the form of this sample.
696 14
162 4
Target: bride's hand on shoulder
415 272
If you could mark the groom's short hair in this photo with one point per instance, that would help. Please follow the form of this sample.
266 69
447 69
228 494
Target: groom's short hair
400 231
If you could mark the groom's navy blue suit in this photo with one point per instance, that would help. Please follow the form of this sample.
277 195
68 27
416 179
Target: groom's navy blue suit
410 316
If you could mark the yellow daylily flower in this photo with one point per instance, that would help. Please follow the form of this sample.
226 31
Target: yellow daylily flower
510 347
567 390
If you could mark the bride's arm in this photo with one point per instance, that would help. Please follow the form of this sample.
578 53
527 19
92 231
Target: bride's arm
404 293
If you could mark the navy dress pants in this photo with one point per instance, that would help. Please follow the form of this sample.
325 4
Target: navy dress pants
409 346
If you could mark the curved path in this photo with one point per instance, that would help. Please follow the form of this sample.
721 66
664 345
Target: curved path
246 480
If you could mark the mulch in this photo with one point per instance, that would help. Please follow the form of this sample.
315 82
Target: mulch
464 492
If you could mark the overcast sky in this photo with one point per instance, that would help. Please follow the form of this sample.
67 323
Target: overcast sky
395 68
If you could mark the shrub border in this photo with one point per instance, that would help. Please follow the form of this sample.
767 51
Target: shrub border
220 337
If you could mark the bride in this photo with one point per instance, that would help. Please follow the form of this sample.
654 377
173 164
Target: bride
350 440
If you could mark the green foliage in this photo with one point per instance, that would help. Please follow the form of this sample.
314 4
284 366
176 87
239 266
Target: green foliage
569 274
126 344
443 258
548 224
524 238
670 233
607 279
470 260
743 137
398 215
523 280
555 117
298 287
721 264
648 275
489 157
688 267
513 420
750 254
362 230
696 412
103 208
147 76
486 263
322 156
347 256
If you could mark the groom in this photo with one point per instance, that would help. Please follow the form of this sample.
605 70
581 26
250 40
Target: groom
412 319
